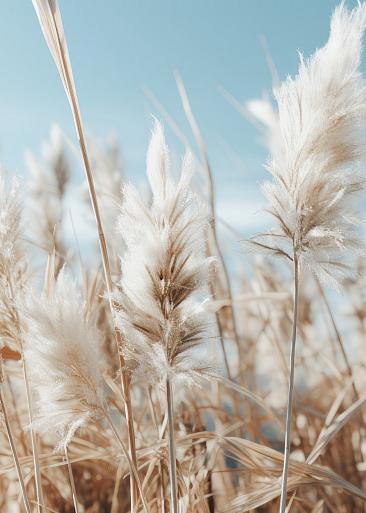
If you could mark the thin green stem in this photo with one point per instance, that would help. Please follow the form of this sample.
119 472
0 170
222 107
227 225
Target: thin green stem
290 390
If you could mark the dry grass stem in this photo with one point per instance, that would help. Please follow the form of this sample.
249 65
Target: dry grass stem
50 20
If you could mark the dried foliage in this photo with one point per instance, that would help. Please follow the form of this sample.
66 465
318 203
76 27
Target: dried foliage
68 428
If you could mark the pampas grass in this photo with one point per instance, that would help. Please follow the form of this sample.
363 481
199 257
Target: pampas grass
160 310
47 190
316 144
163 272
153 376
317 148
63 353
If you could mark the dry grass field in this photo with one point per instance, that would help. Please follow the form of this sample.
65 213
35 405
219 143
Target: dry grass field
155 377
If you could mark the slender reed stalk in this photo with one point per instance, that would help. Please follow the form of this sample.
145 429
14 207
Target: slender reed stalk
344 354
172 449
72 481
14 453
131 463
161 470
34 445
338 338
221 338
212 200
217 250
290 390
114 505
108 280
49 16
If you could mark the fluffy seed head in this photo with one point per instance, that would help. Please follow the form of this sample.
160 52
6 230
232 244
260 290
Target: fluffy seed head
10 214
317 148
64 360
48 182
164 269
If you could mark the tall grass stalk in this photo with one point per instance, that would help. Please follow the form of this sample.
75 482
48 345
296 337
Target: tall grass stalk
34 445
132 466
72 482
290 390
172 448
153 413
14 451
212 202
338 339
49 15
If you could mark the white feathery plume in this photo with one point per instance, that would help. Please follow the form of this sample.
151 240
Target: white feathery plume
13 264
54 155
106 162
317 147
47 188
264 115
107 165
10 216
165 267
164 270
13 276
64 358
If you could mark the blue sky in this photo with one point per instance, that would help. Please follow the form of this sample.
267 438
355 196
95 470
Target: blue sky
119 46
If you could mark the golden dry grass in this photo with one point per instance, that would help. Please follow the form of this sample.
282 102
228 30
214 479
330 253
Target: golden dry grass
77 362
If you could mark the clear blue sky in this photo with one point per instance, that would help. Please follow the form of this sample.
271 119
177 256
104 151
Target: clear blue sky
119 46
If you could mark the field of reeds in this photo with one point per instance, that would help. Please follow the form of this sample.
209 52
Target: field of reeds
152 375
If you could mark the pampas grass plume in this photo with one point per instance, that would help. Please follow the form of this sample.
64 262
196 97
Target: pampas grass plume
317 148
63 355
164 271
